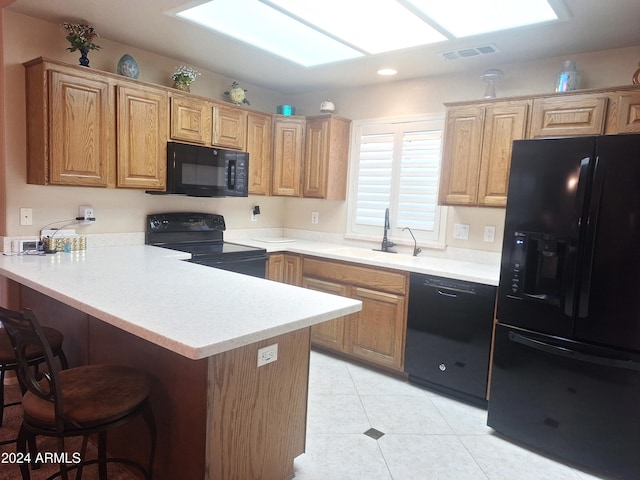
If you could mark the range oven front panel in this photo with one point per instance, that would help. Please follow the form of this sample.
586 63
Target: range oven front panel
200 234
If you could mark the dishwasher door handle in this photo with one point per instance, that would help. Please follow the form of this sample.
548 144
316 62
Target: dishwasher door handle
451 292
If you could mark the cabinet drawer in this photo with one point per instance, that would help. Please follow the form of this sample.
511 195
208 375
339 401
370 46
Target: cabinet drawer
566 116
373 278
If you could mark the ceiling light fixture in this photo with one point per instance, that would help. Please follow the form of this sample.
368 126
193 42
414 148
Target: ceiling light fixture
387 72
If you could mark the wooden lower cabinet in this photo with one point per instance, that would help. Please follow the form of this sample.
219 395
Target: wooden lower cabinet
377 333
285 268
328 334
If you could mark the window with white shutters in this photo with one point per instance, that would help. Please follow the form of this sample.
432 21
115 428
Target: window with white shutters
396 164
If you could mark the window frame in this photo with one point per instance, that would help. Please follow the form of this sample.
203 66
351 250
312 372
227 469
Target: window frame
435 239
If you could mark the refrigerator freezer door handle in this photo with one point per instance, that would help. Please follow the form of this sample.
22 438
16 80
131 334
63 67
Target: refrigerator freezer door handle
572 252
590 239
573 354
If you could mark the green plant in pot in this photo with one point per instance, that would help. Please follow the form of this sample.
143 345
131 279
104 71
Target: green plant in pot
183 77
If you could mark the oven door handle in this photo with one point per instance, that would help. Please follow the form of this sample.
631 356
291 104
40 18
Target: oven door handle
228 261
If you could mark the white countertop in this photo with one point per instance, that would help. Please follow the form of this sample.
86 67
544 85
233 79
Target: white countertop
192 310
488 274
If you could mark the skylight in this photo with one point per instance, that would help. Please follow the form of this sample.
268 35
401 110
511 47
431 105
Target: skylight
464 18
316 32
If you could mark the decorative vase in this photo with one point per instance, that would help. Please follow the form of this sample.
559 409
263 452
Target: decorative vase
569 78
185 87
128 67
84 60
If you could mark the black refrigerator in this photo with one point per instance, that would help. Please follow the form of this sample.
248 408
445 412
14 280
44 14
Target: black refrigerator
566 365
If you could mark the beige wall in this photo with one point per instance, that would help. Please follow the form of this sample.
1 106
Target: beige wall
124 210
118 210
426 95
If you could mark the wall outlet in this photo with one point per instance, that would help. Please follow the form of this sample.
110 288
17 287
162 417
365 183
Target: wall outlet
267 354
489 233
26 216
461 231
85 213
314 218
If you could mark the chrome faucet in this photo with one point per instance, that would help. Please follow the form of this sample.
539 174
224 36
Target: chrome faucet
416 250
386 244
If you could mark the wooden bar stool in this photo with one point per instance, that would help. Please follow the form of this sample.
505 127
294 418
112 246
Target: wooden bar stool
75 402
35 357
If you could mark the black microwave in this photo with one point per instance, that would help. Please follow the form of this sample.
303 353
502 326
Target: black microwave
200 171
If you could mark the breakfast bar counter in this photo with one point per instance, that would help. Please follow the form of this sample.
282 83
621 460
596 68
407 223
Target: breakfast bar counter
197 330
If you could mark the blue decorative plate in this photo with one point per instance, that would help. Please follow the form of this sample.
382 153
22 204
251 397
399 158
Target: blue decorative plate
128 67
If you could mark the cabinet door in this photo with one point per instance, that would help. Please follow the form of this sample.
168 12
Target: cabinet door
502 125
330 334
259 133
287 156
142 137
461 156
377 333
292 271
285 268
568 116
230 127
316 158
191 120
275 267
629 113
81 130
326 157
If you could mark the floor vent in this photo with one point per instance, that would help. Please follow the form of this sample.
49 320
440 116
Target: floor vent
470 52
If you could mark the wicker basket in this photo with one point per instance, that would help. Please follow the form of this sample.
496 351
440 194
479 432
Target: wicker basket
57 244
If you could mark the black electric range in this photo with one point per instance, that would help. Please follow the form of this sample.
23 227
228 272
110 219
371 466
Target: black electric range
201 235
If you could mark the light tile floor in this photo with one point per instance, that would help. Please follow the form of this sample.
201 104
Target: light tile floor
427 436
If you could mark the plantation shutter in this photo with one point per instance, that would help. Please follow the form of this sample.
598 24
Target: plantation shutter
398 168
418 184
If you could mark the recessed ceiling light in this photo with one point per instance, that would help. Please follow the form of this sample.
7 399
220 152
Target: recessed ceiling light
387 71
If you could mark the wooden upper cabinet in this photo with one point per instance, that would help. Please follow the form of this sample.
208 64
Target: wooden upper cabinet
229 126
70 127
461 155
288 143
629 113
477 147
81 130
326 157
503 123
580 114
142 137
191 120
259 134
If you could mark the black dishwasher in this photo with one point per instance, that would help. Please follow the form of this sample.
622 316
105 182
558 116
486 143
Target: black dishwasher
449 329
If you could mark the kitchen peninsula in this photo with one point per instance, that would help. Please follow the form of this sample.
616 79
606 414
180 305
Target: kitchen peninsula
197 330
